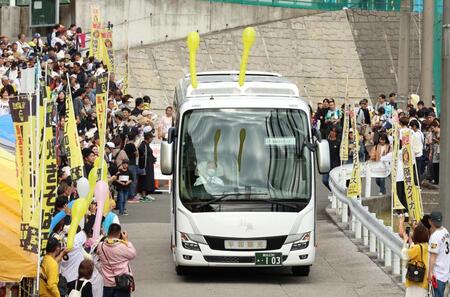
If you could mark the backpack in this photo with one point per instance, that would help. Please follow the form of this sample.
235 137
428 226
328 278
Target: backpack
75 292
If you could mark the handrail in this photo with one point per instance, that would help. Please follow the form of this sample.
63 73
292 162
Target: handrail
387 240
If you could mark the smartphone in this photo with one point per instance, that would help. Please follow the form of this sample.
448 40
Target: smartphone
408 230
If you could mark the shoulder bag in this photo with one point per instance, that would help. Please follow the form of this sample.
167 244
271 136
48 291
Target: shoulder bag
415 270
124 282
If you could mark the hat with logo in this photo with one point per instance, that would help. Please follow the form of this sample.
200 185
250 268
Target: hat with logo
436 218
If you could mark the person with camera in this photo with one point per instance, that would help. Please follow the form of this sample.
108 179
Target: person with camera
115 252
415 251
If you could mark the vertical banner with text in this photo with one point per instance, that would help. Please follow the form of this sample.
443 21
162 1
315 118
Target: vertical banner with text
21 115
100 108
354 186
72 142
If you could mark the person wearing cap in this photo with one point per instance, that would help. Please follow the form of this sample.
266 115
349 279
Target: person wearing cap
122 183
439 248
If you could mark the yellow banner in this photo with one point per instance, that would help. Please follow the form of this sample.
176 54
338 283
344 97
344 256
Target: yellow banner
354 186
95 31
100 106
107 49
394 165
412 199
343 153
72 142
50 179
21 115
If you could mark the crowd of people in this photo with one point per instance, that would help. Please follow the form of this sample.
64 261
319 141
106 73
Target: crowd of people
426 243
374 124
101 267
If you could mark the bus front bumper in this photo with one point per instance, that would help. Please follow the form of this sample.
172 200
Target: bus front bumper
207 257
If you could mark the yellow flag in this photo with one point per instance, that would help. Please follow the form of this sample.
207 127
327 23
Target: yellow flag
354 186
95 30
394 165
72 142
414 205
21 115
100 98
343 153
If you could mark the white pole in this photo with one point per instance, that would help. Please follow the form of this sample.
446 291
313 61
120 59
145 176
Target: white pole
40 206
344 213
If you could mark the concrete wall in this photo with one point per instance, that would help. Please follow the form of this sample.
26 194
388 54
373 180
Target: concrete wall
10 20
153 21
316 51
376 36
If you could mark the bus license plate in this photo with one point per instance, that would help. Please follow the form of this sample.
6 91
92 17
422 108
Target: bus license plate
268 259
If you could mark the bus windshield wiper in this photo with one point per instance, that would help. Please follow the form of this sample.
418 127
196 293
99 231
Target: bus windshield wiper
274 201
212 201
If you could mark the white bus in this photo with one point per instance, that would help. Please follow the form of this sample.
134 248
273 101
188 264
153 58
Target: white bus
242 160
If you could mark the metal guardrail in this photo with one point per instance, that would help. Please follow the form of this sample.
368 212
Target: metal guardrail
365 226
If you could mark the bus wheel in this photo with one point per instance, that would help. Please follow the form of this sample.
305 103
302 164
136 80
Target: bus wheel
300 270
181 270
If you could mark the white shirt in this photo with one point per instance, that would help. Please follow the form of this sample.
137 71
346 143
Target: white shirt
56 40
4 108
69 269
165 124
417 143
439 244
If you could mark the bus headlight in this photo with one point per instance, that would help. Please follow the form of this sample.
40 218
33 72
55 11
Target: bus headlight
299 241
191 241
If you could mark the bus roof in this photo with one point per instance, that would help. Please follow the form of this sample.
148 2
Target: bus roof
225 83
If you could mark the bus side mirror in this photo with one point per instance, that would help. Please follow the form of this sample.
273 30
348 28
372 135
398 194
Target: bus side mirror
166 157
171 135
323 156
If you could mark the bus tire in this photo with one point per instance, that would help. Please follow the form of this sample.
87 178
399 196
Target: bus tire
181 270
301 270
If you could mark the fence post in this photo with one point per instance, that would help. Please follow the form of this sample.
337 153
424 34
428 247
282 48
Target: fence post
380 247
368 181
344 212
333 201
365 231
373 239
388 254
353 223
396 265
358 226
403 263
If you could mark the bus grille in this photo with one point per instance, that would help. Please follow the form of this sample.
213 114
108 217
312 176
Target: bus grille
218 243
235 259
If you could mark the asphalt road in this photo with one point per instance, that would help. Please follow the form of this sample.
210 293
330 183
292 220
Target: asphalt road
339 269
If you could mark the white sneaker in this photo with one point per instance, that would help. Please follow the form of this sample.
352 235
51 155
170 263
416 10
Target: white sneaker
150 197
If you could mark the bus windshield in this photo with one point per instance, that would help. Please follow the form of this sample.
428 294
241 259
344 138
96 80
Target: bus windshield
244 156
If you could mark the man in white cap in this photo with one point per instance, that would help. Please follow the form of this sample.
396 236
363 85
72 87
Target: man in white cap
439 250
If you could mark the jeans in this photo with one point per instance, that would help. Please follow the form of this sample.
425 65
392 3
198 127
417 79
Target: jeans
420 161
439 291
133 186
122 196
381 182
326 181
114 292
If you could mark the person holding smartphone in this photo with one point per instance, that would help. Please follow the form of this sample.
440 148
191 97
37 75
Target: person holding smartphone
122 183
